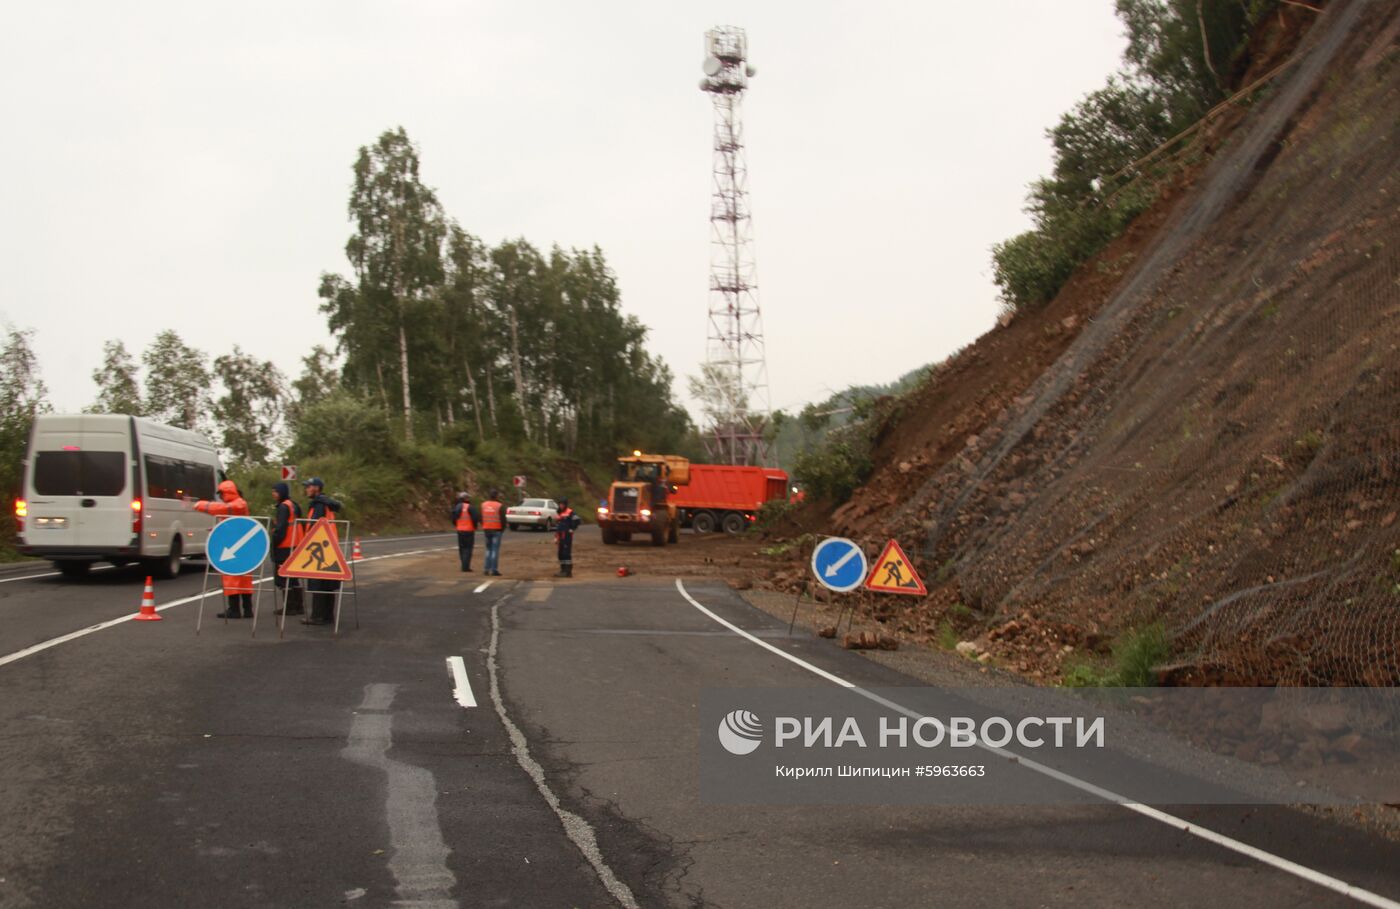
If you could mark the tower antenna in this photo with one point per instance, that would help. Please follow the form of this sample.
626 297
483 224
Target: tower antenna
736 369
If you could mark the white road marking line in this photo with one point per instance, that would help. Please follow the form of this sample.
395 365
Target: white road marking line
82 632
30 577
51 574
365 541
1268 858
576 828
483 586
418 860
463 691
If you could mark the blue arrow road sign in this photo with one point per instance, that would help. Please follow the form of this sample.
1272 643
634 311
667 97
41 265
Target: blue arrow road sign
237 546
839 564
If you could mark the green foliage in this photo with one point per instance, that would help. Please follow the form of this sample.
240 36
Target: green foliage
1174 71
342 423
1135 656
833 469
771 514
947 636
793 436
440 330
251 409
781 548
22 393
117 388
1310 441
177 383
1137 653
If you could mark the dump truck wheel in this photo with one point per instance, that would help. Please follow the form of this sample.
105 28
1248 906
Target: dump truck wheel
609 537
658 538
733 523
703 522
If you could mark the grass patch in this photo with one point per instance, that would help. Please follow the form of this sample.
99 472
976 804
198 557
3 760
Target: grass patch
947 636
1310 441
1134 656
783 547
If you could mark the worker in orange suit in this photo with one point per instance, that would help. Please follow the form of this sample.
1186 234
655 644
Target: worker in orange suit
238 589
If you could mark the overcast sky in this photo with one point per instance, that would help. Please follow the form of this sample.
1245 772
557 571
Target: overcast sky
187 165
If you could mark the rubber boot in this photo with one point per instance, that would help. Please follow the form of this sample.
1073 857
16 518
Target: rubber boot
230 609
247 599
322 609
569 570
293 601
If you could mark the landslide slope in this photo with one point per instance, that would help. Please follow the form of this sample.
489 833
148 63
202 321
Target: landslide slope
1215 444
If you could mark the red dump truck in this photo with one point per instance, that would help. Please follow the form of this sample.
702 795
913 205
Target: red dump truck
723 497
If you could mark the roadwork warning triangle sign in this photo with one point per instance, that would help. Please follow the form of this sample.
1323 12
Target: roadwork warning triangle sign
892 573
318 556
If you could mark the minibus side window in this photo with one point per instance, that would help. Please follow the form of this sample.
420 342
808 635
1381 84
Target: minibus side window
157 478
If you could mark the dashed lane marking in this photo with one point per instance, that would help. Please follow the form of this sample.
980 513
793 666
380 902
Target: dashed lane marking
1234 845
484 585
463 691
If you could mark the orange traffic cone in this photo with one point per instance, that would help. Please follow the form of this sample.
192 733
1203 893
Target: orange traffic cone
356 555
148 605
623 571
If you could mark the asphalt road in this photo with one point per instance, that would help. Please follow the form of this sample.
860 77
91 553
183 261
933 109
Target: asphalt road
147 765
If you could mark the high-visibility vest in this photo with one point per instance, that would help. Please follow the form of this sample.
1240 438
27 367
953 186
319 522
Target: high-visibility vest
292 535
464 520
491 515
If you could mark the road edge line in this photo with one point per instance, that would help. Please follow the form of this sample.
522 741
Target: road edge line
1268 858
578 830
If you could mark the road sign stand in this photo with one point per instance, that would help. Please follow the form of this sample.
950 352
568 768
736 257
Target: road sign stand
840 566
261 576
344 539
796 603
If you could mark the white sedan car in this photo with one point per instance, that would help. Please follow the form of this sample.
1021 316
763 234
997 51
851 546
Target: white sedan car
540 513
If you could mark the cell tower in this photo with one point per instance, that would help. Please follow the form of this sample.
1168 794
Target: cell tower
736 368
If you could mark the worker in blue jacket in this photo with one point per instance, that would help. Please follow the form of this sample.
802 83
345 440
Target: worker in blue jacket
564 528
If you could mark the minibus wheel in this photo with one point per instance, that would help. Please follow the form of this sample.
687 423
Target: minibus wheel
167 567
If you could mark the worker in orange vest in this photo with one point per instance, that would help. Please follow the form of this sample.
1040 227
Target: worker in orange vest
238 589
466 518
492 523
285 535
564 538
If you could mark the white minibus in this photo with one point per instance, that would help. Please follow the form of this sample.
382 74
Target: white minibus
115 488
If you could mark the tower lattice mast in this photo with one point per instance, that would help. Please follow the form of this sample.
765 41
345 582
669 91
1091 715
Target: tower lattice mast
736 369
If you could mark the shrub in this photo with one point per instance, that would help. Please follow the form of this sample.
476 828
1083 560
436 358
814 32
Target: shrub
834 469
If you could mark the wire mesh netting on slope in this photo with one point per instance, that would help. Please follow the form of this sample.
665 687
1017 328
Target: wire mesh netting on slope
1219 450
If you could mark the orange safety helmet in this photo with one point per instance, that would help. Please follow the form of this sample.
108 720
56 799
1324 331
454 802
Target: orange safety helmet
228 490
